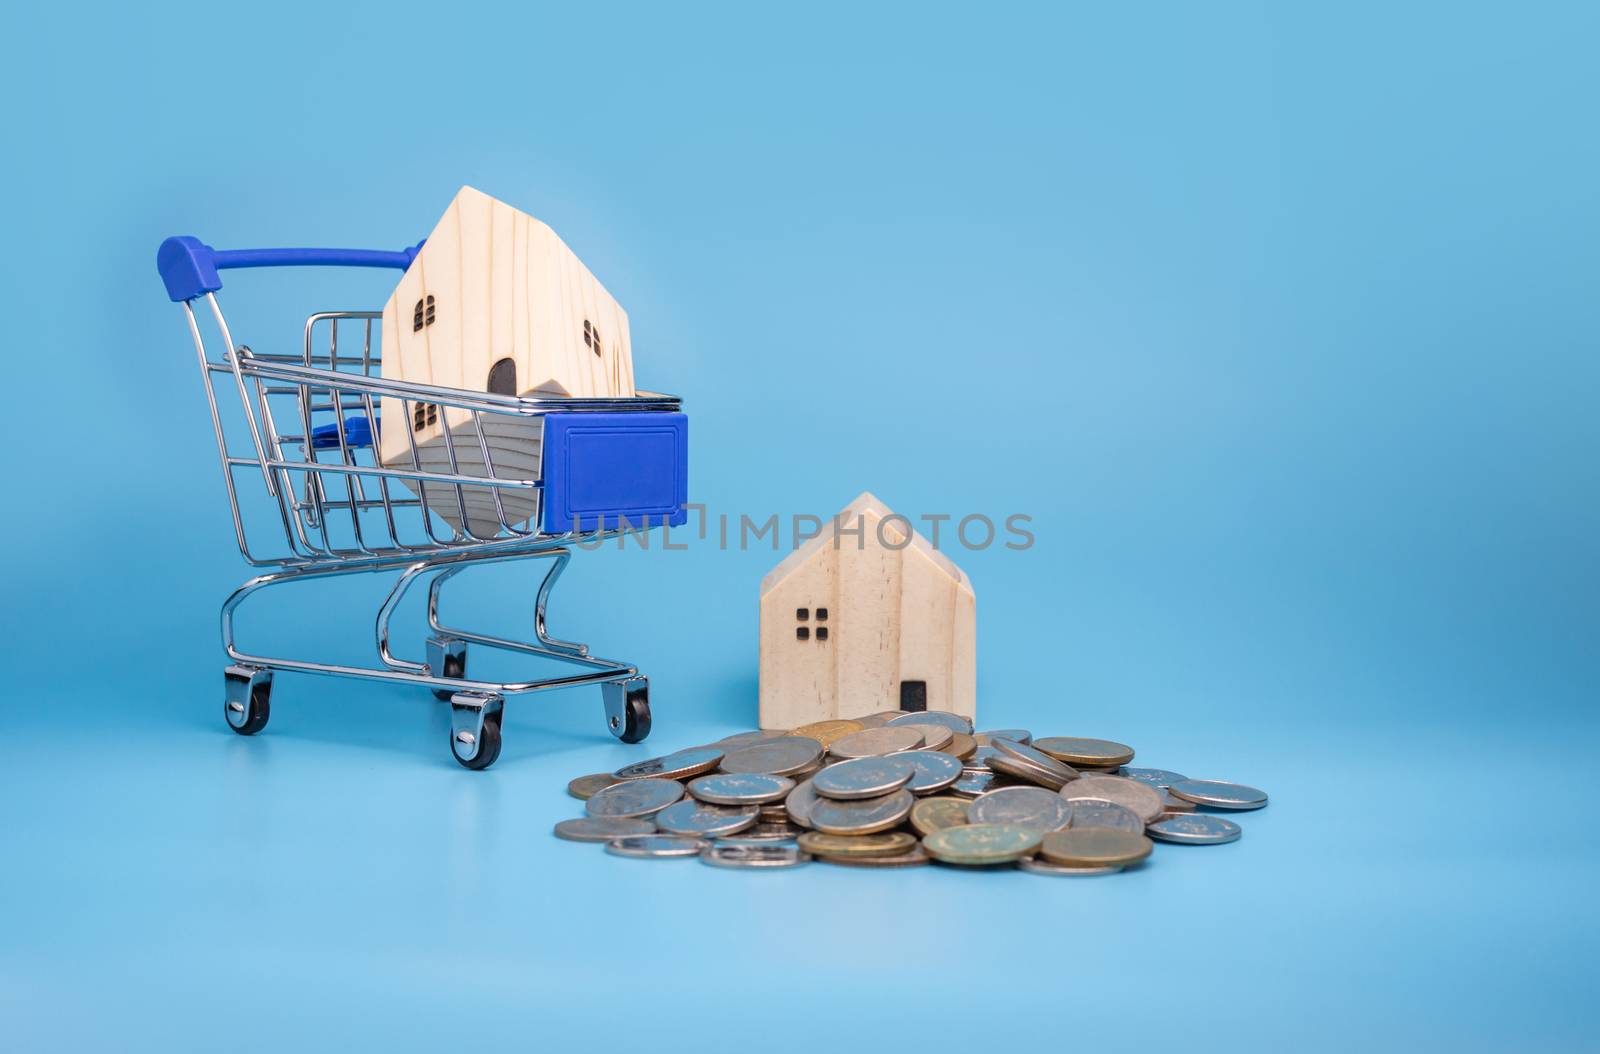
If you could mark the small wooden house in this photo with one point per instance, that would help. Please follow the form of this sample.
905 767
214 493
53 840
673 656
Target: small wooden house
494 302
854 623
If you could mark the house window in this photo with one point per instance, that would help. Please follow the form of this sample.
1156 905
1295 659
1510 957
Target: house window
422 314
822 632
914 696
802 633
802 614
503 377
423 415
591 336
822 614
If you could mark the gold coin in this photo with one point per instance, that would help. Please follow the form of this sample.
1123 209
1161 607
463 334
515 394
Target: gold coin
935 814
891 843
586 787
1099 753
1095 847
979 844
913 858
961 745
825 732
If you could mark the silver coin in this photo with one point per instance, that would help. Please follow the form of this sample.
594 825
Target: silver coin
1016 735
861 817
875 742
634 798
1143 799
1036 866
704 819
745 739
954 722
1160 779
748 839
934 771
774 757
771 832
1215 794
1170 802
601 828
1024 807
879 719
1038 759
1026 771
689 762
972 783
741 788
1096 812
934 737
656 845
754 856
1197 829
863 778
799 803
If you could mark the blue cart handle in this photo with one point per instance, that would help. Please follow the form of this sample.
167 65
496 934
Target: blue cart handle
189 267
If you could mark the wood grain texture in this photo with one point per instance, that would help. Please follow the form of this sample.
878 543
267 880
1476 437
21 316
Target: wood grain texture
897 611
493 283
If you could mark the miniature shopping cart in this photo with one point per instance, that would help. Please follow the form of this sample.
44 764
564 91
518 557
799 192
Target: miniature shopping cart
304 455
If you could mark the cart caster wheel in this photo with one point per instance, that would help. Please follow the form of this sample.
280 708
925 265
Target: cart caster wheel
449 657
628 708
248 703
488 745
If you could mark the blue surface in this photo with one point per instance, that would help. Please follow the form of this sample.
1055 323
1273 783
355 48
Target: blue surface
615 469
1279 321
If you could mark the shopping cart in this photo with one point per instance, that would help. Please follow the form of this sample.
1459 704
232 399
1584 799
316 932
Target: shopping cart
308 435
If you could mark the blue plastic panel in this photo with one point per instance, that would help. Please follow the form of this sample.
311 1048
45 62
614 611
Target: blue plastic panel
602 468
189 266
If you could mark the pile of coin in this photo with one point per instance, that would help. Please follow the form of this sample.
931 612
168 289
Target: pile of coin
902 789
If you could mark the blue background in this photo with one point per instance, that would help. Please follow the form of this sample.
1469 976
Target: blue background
1280 322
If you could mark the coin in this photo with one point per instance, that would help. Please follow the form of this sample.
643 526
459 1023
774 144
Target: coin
799 802
751 838
863 778
934 771
745 739
741 788
681 765
1158 778
825 732
656 845
891 843
981 843
1095 847
1028 755
935 814
1089 752
771 832
601 828
1215 794
585 787
867 816
913 858
634 798
1016 735
879 719
934 737
961 746
874 742
980 758
1022 807
954 722
1026 771
972 783
1170 802
774 757
1143 799
1093 812
773 813
1198 829
1033 865
754 856
702 818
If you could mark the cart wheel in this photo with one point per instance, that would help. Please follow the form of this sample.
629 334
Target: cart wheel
249 705
449 657
488 744
628 707
636 721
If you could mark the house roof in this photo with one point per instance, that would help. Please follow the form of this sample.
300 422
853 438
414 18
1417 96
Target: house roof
868 507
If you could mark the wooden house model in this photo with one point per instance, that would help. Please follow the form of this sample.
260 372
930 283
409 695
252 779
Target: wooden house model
494 302
852 624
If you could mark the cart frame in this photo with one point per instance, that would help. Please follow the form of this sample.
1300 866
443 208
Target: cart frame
346 517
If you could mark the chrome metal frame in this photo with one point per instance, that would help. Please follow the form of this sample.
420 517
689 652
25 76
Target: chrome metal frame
387 531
